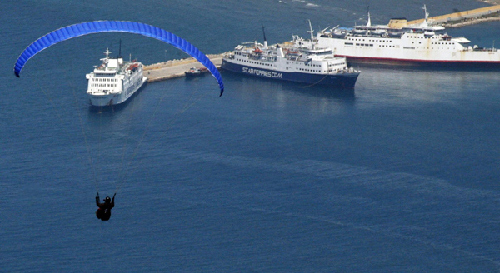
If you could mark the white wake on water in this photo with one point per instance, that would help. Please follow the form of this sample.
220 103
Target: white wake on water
442 201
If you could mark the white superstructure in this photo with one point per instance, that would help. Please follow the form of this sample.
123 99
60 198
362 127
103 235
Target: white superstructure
405 45
114 81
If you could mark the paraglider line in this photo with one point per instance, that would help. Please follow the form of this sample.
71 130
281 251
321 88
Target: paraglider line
52 103
185 108
89 154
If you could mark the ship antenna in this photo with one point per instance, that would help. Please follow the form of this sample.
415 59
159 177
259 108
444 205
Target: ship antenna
369 22
426 15
265 39
264 33
311 30
107 52
120 50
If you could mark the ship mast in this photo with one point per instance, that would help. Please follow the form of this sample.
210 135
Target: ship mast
265 39
426 16
107 52
105 60
120 59
369 22
120 50
311 30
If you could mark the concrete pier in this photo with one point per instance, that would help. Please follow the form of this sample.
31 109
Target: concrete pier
463 18
176 68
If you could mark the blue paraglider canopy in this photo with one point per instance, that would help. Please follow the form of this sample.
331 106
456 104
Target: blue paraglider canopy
85 28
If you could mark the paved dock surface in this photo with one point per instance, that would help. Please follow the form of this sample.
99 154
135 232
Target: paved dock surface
176 68
463 18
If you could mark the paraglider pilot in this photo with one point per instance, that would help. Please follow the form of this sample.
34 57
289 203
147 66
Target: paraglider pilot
104 210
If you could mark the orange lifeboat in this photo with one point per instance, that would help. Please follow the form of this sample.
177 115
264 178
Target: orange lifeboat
257 50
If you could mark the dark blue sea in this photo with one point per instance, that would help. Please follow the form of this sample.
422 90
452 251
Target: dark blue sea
402 174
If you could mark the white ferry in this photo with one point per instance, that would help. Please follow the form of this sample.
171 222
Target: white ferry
400 44
297 61
114 81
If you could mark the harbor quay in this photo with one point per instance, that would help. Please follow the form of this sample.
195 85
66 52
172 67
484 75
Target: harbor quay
177 68
463 18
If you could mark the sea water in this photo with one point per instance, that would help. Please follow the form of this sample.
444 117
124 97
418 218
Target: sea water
400 174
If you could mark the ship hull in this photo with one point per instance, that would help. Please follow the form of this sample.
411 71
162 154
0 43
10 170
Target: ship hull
109 99
345 80
419 63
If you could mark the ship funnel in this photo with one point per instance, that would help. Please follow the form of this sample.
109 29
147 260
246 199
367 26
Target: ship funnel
280 52
120 59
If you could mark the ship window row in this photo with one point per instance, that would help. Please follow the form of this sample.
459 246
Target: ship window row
105 74
246 61
423 37
367 45
309 70
447 48
371 41
438 43
380 41
103 80
104 85
306 64
442 43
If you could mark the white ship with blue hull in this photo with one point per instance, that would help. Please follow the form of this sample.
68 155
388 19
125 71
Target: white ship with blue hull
297 61
114 81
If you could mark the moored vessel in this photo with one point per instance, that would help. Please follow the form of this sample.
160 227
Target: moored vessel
196 72
297 61
114 81
401 44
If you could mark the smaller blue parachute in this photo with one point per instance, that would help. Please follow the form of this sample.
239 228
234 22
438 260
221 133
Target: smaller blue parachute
85 28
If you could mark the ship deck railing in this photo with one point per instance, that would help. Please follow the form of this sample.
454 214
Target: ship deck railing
479 49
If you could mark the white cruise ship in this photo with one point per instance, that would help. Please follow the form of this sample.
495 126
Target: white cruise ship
400 44
114 81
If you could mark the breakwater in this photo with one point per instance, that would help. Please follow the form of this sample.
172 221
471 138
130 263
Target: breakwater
463 18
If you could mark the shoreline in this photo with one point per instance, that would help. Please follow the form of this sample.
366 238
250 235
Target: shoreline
470 22
491 2
463 18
